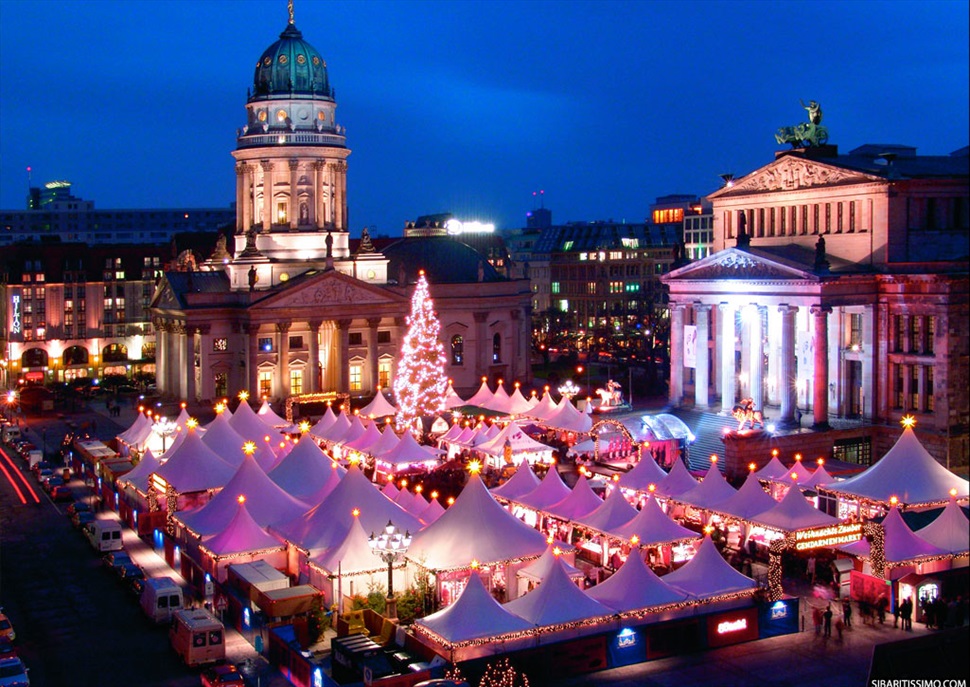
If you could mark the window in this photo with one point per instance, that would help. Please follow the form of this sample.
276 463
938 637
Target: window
296 381
591 287
815 218
457 350
296 342
355 339
384 336
914 403
856 450
851 216
916 334
855 329
281 213
928 348
497 348
828 218
356 374
220 344
266 344
900 332
897 391
384 372
221 380
804 220
929 405
265 384
555 288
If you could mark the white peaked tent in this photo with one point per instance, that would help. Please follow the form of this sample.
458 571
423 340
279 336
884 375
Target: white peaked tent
418 505
324 423
520 443
908 472
335 431
519 404
551 490
475 527
634 587
646 472
522 481
545 407
138 432
483 397
819 478
653 527
266 502
950 531
371 435
408 452
355 431
242 540
773 471
352 555
474 614
797 474
404 499
183 419
567 417
748 501
379 407
581 501
194 467
140 475
385 444
249 425
452 399
326 524
557 601
501 402
269 416
678 481
708 575
614 512
793 513
391 491
177 440
710 492
540 568
432 512
901 544
228 443
453 433
304 470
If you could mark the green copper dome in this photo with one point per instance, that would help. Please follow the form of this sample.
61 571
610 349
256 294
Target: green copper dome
291 68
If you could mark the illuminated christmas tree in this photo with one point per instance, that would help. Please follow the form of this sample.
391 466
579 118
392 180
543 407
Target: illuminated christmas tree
503 674
420 384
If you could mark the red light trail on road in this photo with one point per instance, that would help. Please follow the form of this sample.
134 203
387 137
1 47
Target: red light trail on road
10 475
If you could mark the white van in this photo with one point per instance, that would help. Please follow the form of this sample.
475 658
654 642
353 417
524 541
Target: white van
161 597
104 535
197 637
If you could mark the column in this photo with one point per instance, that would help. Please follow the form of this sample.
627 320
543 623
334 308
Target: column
372 355
189 364
294 205
481 345
318 168
267 195
757 358
676 353
868 361
787 382
313 384
240 198
283 364
175 340
728 370
246 208
343 355
821 388
252 358
702 373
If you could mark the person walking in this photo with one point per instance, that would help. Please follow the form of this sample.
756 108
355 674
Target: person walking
906 611
817 620
847 611
827 615
896 613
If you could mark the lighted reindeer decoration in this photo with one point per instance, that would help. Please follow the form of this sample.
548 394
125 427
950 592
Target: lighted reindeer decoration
745 413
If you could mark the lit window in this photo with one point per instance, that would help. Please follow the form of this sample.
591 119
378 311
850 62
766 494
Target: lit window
457 350
265 383
356 374
384 372
497 348
221 344
296 381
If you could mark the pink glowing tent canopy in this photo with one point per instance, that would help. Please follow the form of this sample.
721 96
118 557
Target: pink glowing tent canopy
242 535
522 481
304 470
950 531
194 467
635 586
475 614
652 527
707 575
557 600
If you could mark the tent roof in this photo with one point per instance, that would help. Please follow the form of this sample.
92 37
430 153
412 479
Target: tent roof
522 481
139 476
304 470
242 535
793 513
581 501
193 466
269 416
371 435
545 408
652 526
501 401
379 407
266 502
408 450
712 491
138 431
950 531
352 555
797 474
774 470
352 433
452 433
645 473
517 439
474 614
483 397
326 524
334 431
569 418
519 404
908 472
614 512
635 586
677 481
452 399
324 423
820 478
707 574
249 425
222 438
434 511
542 566
475 527
902 544
389 439
551 490
556 600
750 500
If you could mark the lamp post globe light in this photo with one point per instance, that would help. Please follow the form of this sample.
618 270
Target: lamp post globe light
390 546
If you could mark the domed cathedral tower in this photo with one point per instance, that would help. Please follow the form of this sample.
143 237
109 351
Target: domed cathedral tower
291 168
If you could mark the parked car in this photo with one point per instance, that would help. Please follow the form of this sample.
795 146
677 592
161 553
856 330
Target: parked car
78 507
116 559
129 571
135 585
222 676
13 673
55 480
6 627
7 649
61 492
82 518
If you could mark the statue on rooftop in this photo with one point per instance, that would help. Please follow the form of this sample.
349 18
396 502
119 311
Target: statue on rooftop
810 134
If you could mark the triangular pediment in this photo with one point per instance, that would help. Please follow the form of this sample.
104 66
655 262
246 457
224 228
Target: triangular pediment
790 173
165 297
328 289
734 263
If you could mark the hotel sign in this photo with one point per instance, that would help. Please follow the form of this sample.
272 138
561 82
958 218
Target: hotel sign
843 533
15 327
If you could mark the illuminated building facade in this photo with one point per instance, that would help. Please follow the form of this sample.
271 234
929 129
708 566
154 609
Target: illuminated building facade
299 307
839 289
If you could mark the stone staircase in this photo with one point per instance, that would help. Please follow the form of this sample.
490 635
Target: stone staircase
708 428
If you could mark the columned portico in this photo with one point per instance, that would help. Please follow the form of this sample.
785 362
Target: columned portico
702 373
787 382
676 353
727 352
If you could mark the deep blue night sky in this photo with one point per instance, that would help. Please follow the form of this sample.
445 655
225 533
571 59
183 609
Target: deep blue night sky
469 107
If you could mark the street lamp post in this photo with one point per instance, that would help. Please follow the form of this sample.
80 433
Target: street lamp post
390 546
